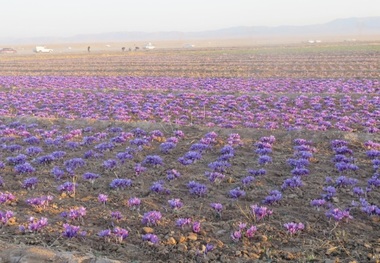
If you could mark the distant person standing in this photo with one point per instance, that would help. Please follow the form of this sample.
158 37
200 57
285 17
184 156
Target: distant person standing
88 48
123 49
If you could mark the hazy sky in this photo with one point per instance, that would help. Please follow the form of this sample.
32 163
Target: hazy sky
33 18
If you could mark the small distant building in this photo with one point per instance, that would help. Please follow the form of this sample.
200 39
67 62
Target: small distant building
149 46
188 46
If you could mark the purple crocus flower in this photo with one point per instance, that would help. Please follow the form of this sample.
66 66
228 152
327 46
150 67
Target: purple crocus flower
153 160
30 183
236 235
172 174
6 197
70 231
293 182
33 150
182 222
42 201
68 187
175 203
120 234
257 172
197 188
217 207
90 177
151 218
106 234
102 198
116 215
293 228
196 227
338 214
260 211
134 203
250 232
167 147
318 203
36 225
151 238
58 172
24 168
273 197
120 183
109 164
5 216
237 193
139 169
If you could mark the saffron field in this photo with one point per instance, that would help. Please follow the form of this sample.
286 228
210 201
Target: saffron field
264 154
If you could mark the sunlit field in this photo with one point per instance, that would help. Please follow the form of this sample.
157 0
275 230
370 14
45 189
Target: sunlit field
241 154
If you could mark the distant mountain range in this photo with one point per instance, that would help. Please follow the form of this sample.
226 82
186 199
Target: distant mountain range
348 27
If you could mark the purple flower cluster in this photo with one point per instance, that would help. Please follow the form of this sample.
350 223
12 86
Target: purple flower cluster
153 160
343 181
134 203
293 228
120 183
6 197
158 187
33 150
40 202
30 183
72 164
151 238
116 215
67 187
102 198
167 147
196 188
183 222
214 177
259 212
258 172
234 140
104 147
118 233
190 157
151 218
264 148
24 168
58 173
5 216
139 169
274 197
318 203
197 149
338 214
218 208
123 156
293 182
35 225
369 209
75 213
71 231
90 177
175 204
237 193
330 192
247 181
172 174
19 159
238 234
110 164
